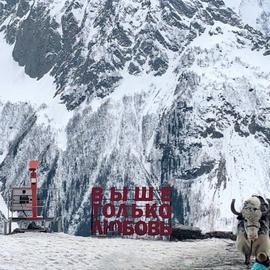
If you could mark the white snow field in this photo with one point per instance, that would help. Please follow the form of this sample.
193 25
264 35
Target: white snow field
62 251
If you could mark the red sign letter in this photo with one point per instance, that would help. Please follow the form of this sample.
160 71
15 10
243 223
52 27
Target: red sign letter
143 196
165 193
97 193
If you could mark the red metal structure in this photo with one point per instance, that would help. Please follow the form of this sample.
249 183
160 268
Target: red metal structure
33 165
24 202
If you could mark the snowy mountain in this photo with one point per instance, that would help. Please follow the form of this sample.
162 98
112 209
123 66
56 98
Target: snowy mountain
255 13
171 91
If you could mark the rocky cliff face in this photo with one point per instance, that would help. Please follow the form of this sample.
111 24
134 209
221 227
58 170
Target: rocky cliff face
160 92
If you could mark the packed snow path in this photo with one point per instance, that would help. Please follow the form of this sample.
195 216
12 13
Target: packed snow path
61 251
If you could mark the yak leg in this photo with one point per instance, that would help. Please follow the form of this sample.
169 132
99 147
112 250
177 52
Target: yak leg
247 259
243 245
246 249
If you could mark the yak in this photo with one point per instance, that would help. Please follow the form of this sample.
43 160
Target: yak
253 227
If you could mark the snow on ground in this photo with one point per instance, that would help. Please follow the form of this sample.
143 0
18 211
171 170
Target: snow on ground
61 251
16 86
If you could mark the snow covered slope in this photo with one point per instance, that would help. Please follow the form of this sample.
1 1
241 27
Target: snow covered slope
256 13
61 251
16 86
171 91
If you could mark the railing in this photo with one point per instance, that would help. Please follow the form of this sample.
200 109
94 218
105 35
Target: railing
20 207
5 226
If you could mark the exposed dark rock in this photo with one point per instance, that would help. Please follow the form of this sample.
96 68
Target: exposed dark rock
178 207
222 174
23 8
212 132
11 31
221 234
237 128
183 8
133 69
266 53
159 65
37 43
122 38
13 149
182 232
255 128
224 15
205 168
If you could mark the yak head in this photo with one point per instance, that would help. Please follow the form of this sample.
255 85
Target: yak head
254 210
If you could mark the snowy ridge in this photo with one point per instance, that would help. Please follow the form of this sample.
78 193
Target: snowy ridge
253 12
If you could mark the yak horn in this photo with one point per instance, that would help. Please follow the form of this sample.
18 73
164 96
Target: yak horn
233 208
267 212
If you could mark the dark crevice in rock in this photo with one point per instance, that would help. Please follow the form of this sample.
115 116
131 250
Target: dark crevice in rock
29 123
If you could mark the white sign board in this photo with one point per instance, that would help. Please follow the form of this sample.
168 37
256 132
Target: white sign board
21 199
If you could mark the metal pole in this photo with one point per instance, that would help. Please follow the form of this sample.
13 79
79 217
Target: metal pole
92 220
33 164
9 226
171 205
34 193
5 227
8 203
